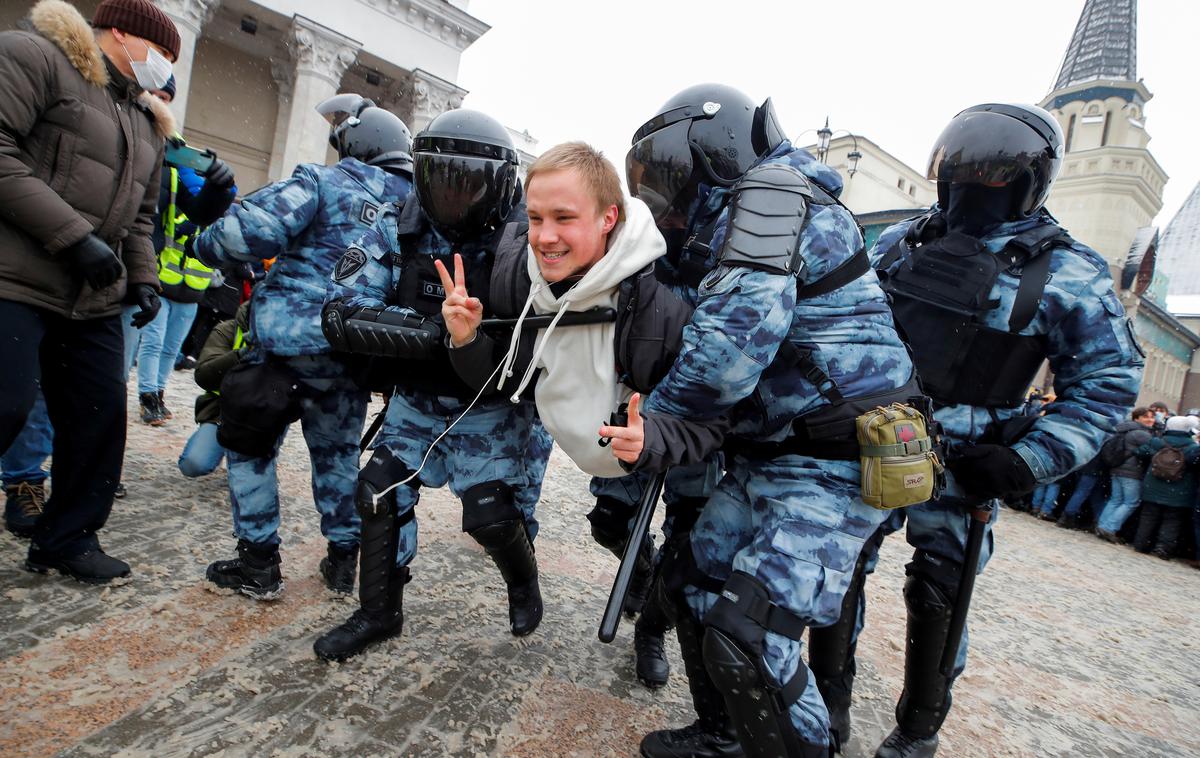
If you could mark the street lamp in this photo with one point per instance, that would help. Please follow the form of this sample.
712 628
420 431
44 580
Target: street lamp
825 136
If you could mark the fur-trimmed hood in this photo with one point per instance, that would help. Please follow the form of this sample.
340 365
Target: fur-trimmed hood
61 23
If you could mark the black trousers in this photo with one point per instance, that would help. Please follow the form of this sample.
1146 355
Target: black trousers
78 366
1159 528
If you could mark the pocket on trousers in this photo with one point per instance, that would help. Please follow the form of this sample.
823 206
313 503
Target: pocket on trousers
813 535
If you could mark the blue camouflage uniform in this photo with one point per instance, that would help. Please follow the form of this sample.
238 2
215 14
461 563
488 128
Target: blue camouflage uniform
1097 367
497 441
794 523
305 223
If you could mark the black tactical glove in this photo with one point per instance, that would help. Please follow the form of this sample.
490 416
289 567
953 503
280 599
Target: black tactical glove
94 260
219 176
143 296
988 471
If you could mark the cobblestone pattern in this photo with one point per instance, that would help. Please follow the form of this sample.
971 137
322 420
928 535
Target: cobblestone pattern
1060 665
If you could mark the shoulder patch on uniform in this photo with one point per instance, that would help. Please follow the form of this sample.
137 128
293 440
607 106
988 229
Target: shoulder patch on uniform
369 212
349 264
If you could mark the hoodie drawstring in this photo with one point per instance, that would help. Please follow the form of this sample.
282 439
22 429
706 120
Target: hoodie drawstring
537 353
515 342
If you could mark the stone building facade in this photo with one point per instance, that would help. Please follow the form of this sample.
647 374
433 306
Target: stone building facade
251 72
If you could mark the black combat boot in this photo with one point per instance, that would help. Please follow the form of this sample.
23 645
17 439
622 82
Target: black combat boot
711 735
508 544
900 744
254 573
380 619
338 567
380 615
929 598
653 669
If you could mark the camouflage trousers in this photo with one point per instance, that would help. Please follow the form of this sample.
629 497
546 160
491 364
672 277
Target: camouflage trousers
797 525
334 409
497 441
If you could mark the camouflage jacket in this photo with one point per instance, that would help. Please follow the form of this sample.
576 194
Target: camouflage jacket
305 223
731 365
1090 344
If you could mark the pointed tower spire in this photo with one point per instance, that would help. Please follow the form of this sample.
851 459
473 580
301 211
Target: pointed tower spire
1104 45
1110 186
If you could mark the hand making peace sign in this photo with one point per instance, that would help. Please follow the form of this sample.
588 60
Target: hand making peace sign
461 312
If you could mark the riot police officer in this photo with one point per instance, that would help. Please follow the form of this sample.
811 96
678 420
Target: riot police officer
767 361
386 299
305 223
988 272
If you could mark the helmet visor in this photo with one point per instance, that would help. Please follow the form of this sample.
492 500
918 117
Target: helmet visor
659 169
991 149
337 109
461 195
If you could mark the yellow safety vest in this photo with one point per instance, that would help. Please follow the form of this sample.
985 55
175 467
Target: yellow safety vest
175 266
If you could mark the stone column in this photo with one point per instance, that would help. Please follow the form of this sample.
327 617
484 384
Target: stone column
431 97
189 16
284 74
319 56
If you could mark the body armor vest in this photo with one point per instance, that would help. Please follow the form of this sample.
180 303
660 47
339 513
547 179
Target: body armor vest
420 289
940 294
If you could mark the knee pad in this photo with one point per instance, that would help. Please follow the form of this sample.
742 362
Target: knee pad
494 521
757 704
381 472
931 586
488 504
610 523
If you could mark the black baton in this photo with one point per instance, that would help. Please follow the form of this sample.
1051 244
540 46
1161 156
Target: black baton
373 429
570 318
980 516
637 535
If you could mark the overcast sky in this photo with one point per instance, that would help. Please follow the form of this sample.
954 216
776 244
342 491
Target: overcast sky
895 72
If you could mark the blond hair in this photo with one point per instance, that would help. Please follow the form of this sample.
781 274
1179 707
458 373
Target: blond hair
597 173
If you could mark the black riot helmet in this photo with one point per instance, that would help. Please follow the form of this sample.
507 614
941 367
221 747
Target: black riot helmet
708 134
1003 155
359 129
465 174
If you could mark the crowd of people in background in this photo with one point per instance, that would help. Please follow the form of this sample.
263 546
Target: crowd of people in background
1140 489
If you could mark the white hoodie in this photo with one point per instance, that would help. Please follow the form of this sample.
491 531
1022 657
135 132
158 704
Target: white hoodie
578 389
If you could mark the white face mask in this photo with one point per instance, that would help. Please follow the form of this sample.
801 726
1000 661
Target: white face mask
152 73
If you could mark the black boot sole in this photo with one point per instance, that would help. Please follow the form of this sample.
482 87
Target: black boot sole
254 593
345 655
95 581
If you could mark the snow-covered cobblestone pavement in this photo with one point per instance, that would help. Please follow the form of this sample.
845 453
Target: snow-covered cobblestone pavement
1079 647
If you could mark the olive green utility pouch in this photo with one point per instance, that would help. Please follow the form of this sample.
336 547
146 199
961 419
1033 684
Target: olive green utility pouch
899 465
